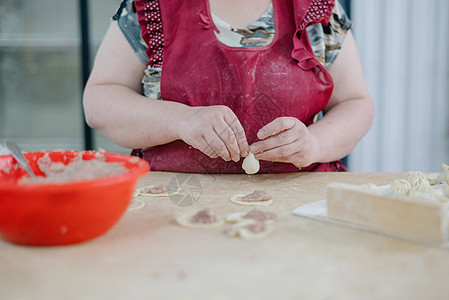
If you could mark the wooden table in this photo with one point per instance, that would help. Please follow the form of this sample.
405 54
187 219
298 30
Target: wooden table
147 256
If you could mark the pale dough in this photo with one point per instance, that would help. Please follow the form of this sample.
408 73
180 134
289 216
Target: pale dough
167 194
250 164
400 187
417 178
237 199
371 187
235 218
250 229
446 172
445 190
186 221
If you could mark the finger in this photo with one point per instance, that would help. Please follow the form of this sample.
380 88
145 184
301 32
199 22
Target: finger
229 139
272 142
239 132
207 149
275 127
280 154
218 146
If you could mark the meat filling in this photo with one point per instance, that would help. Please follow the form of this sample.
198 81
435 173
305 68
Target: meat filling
256 196
159 189
256 227
205 216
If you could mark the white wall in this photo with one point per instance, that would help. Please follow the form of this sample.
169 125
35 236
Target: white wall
403 46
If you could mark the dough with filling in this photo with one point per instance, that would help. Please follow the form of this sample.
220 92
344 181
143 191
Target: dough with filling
250 229
400 187
204 219
261 198
250 164
417 178
144 191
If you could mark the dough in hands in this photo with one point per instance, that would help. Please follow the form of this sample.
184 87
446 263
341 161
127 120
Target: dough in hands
250 164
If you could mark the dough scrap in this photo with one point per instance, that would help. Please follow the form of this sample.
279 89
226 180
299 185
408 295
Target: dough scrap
265 198
250 164
204 219
136 204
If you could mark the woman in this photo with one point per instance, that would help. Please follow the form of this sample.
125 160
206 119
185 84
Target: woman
216 88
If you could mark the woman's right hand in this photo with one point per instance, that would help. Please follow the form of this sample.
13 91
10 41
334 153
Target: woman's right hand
214 130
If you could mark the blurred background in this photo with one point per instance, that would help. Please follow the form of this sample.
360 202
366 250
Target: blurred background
47 47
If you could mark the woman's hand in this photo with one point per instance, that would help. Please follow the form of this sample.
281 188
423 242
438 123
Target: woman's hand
287 140
215 131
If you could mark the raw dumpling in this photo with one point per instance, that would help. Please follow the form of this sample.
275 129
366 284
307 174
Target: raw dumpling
161 190
400 187
417 178
250 164
258 197
205 218
371 187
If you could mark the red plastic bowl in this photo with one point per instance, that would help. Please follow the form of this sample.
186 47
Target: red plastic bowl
68 213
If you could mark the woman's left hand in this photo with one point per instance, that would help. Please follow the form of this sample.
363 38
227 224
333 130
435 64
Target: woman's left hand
286 139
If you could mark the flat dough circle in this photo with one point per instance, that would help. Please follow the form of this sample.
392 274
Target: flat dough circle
237 217
184 220
248 235
156 195
239 230
236 200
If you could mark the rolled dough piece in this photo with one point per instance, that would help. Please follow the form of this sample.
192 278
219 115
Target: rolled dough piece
254 214
261 198
152 191
204 219
250 229
250 164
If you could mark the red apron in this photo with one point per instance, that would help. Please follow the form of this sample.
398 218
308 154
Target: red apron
259 84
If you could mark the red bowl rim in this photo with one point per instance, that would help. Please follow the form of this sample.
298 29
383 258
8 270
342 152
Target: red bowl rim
142 167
